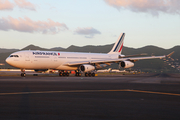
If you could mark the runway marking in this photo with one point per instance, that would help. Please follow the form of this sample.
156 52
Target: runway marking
162 93
70 91
88 91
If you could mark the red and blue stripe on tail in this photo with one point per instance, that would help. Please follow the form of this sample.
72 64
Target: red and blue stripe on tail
117 48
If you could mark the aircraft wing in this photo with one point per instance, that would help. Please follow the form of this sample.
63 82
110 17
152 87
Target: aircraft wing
105 61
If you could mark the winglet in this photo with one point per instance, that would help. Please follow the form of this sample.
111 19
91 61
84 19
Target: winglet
170 54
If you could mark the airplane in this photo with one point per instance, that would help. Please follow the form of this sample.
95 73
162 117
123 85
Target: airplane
74 61
106 70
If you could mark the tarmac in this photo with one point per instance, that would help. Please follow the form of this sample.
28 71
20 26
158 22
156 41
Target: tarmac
137 97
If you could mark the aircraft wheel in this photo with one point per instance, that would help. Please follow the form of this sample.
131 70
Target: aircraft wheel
77 74
64 74
23 74
67 74
60 74
93 74
86 74
89 74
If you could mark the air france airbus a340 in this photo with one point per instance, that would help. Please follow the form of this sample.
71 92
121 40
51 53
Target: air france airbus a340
68 61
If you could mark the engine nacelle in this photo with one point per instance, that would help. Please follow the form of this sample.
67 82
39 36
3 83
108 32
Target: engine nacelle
86 68
126 64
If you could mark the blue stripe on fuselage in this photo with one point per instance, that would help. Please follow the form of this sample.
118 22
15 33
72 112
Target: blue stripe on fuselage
118 42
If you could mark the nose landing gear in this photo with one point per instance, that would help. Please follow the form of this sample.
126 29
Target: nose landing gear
23 74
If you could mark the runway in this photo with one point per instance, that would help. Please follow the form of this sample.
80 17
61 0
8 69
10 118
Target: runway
144 96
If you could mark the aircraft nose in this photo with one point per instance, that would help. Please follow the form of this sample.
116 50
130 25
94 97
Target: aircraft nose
8 60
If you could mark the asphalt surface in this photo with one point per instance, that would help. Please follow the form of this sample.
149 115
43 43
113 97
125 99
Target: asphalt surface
137 97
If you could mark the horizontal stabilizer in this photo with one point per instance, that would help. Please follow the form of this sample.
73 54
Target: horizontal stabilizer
170 54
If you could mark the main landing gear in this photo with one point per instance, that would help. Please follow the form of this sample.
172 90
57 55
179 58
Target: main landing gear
87 74
90 74
63 73
23 74
78 73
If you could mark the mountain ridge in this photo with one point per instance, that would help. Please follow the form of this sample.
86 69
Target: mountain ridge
72 47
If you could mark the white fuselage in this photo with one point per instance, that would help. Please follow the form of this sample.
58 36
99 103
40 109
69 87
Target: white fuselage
29 59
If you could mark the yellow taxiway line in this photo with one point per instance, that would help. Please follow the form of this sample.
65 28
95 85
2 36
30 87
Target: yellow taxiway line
88 91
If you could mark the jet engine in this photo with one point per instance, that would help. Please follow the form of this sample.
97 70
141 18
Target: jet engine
86 68
126 64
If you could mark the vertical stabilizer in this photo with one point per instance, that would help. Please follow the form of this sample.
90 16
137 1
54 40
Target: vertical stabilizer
117 48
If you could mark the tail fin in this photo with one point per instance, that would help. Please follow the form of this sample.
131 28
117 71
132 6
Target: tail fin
117 48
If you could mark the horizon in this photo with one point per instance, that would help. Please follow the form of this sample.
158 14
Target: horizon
23 22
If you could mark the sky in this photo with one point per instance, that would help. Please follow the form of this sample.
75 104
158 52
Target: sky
61 23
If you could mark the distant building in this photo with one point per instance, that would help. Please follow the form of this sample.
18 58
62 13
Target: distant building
2 64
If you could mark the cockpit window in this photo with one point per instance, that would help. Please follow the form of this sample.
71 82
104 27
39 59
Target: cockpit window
14 56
